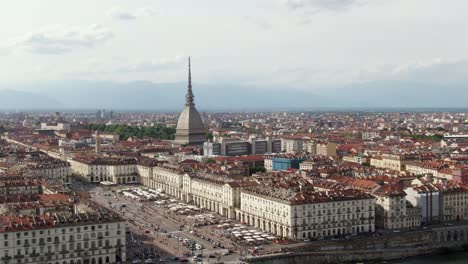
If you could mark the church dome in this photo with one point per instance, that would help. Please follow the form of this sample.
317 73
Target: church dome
190 119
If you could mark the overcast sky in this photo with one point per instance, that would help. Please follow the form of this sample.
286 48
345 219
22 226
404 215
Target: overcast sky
302 43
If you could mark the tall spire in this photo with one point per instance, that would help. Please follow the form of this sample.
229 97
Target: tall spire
98 143
189 97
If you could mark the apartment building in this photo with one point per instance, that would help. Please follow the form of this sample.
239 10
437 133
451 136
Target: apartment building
36 204
236 147
390 202
168 179
75 239
292 144
22 186
427 198
453 201
388 161
315 162
113 169
306 214
57 170
217 193
326 149
391 207
421 168
55 126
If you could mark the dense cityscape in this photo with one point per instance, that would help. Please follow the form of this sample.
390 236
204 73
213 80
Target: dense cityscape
117 187
237 132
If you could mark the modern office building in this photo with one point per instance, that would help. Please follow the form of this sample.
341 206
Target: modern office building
253 146
286 163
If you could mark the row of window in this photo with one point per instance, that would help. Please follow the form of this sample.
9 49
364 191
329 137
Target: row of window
62 230
335 231
62 248
57 238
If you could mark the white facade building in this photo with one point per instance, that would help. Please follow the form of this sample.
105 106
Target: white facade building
425 197
215 193
55 126
56 171
116 170
307 214
292 145
60 240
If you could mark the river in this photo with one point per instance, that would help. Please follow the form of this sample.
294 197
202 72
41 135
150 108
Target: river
452 258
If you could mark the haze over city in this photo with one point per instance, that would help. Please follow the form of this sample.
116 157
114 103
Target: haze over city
387 52
240 132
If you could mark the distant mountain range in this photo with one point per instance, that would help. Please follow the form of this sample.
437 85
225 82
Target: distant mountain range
149 96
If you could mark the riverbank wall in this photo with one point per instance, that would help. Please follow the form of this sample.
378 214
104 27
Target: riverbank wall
379 248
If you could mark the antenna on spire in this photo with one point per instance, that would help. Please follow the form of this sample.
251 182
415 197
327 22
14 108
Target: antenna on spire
189 97
189 74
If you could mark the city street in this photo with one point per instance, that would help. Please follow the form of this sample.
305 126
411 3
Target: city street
155 228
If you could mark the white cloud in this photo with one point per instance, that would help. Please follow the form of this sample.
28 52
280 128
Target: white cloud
322 5
260 22
4 51
437 70
123 14
300 77
120 13
306 9
154 65
60 39
420 65
118 66
145 12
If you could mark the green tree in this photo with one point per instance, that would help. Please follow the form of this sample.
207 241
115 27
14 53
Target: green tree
210 160
256 169
125 131
436 138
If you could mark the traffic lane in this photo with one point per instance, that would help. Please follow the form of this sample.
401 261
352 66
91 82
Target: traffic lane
153 217
205 243
133 209
136 229
103 197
